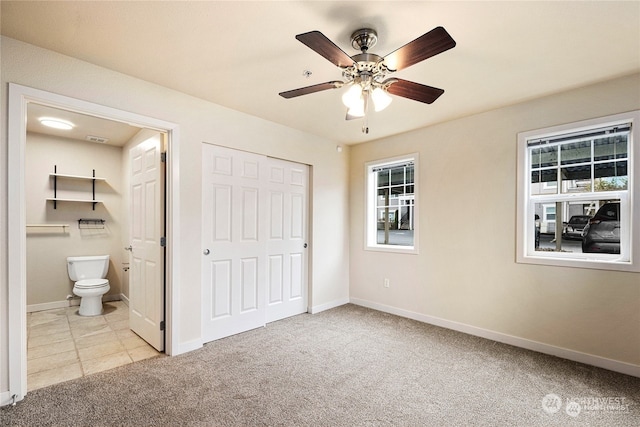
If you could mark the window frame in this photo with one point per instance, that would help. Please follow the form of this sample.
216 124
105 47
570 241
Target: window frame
629 258
370 217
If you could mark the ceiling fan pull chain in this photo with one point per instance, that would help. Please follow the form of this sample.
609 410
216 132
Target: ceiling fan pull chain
365 124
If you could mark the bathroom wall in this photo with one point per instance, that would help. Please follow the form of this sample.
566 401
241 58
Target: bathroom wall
48 283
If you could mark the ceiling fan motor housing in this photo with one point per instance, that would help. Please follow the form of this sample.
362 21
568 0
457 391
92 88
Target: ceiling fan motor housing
364 39
367 67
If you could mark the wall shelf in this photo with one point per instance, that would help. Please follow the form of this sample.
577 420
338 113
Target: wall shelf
62 175
58 199
55 175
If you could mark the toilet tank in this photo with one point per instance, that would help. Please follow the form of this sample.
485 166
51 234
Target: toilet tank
88 267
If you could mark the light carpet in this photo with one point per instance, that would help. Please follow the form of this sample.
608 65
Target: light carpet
350 366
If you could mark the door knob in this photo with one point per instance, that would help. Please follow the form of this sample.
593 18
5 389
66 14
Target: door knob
206 252
128 248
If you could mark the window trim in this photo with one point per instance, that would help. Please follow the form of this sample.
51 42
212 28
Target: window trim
630 198
370 220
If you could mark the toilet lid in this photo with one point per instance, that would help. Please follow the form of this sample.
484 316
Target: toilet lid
91 283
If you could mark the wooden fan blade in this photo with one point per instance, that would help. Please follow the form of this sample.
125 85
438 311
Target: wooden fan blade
427 45
311 89
416 91
325 47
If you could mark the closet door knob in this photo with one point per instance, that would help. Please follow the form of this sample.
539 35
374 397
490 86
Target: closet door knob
206 252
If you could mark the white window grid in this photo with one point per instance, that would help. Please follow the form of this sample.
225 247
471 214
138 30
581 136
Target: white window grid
371 211
630 216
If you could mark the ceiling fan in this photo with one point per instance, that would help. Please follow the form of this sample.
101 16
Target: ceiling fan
366 73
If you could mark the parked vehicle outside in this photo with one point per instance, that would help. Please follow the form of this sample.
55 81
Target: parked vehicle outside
602 233
574 228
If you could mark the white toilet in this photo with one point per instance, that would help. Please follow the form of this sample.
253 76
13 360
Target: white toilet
89 273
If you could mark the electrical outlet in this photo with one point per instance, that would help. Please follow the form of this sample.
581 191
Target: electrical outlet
385 283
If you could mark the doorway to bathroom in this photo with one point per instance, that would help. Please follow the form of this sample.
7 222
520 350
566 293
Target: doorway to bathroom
80 196
95 187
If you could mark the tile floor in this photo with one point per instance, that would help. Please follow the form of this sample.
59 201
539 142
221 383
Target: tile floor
63 345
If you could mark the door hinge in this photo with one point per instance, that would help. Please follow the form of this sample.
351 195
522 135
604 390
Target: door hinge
162 325
163 157
163 241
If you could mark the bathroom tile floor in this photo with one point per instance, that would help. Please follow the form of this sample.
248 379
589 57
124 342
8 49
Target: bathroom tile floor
62 345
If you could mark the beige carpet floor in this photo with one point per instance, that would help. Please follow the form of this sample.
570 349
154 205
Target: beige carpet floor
349 366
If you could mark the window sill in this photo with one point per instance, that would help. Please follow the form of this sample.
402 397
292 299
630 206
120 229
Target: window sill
410 250
612 264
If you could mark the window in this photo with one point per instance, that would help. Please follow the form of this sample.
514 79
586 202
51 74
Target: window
391 214
577 203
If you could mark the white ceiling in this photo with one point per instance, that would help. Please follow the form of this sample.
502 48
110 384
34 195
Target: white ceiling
84 126
241 54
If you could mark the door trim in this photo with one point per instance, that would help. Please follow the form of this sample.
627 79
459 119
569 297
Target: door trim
19 97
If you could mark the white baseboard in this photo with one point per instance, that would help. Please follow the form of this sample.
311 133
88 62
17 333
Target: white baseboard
124 299
51 305
576 356
73 302
328 306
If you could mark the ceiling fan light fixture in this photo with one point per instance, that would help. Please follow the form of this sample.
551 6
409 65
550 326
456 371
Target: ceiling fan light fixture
381 99
357 110
353 96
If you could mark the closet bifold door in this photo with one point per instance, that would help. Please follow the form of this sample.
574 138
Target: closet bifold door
233 242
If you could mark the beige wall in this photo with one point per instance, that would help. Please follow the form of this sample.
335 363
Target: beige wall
199 121
48 248
466 270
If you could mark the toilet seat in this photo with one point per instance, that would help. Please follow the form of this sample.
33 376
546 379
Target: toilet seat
91 283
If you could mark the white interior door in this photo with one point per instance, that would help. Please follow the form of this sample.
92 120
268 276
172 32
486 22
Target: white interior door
287 213
233 260
146 277
254 226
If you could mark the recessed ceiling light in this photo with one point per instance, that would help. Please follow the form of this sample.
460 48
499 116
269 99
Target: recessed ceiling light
56 123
